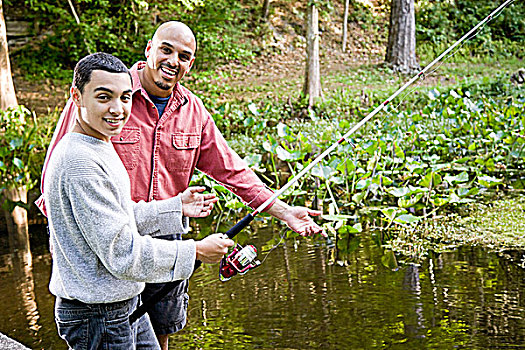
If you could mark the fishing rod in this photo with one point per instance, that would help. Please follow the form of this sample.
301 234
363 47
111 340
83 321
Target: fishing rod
248 218
243 259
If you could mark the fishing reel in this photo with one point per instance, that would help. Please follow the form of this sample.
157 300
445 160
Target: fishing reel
239 261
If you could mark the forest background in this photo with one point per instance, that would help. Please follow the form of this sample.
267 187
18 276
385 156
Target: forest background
441 152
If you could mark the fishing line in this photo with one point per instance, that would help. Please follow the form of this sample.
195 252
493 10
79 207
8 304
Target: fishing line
283 231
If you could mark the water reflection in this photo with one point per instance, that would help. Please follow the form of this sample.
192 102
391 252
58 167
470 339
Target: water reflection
415 322
21 311
305 295
22 264
299 300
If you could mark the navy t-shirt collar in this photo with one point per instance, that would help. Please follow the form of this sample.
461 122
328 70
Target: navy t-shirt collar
159 102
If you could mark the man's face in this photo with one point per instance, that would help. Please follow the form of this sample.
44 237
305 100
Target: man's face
105 104
170 55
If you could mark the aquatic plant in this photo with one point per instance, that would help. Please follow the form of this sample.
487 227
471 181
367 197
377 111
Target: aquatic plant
449 147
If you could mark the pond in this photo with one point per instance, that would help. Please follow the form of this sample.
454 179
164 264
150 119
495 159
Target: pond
301 297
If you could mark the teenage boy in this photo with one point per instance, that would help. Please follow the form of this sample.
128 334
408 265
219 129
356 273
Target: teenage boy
102 248
169 135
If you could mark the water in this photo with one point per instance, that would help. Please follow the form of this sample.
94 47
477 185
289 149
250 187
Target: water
303 298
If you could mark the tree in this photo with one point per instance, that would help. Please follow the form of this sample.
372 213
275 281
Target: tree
401 49
17 216
7 88
345 24
266 9
312 84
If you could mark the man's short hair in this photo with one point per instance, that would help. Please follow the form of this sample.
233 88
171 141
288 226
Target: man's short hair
96 61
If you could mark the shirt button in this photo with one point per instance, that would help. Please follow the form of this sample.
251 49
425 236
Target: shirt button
121 139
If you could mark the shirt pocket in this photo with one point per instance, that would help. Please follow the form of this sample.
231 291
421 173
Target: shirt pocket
127 145
184 150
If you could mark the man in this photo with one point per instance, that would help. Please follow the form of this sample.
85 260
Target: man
100 259
169 135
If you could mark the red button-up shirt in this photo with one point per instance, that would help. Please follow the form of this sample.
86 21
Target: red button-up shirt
161 155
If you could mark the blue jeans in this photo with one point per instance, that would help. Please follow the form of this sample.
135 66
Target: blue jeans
103 326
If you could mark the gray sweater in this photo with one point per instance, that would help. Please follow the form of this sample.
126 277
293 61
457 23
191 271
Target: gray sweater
102 242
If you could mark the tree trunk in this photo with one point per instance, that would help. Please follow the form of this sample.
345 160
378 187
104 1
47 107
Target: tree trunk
312 84
266 9
7 89
16 219
18 215
345 24
401 49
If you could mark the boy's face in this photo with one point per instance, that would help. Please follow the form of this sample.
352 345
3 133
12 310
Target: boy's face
105 104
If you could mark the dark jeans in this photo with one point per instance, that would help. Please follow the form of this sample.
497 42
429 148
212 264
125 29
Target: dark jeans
103 326
168 315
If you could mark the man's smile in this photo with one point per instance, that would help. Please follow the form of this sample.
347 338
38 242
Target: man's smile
168 72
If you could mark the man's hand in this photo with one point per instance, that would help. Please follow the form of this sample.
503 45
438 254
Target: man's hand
196 204
297 218
211 249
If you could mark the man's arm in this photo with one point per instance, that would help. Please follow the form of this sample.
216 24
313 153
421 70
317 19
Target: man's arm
219 161
297 218
64 125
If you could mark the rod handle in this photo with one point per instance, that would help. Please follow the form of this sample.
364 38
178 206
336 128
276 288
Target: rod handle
239 226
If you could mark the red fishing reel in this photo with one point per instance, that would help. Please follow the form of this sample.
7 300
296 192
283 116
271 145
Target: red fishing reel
239 261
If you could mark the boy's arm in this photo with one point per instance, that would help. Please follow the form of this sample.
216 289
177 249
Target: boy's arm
112 234
160 217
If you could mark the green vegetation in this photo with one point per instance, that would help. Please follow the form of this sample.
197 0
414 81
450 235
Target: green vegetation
229 30
449 147
495 223
454 139
22 148
223 30
443 21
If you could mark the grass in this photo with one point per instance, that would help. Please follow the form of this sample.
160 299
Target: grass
367 83
346 90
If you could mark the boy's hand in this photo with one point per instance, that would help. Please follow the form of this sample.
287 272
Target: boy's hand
211 249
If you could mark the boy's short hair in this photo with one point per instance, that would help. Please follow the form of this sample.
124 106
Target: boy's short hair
97 61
